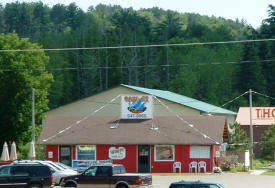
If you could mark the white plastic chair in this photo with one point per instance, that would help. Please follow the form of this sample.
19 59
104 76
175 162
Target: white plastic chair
177 165
202 164
193 165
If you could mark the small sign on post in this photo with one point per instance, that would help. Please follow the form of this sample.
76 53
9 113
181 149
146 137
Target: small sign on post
246 159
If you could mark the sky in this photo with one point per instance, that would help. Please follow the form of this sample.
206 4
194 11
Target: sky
251 11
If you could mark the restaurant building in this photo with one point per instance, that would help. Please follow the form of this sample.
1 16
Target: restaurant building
262 119
146 130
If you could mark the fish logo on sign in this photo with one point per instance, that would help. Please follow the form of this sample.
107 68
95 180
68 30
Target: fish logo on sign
137 107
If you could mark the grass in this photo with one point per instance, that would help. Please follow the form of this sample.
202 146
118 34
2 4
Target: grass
261 163
257 163
239 168
269 173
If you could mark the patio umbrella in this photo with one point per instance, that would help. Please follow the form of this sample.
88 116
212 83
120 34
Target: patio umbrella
5 153
32 150
13 154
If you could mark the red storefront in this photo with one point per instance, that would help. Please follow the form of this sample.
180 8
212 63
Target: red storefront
133 160
148 150
143 132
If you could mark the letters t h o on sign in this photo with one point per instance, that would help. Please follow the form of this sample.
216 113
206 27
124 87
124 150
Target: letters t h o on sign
265 113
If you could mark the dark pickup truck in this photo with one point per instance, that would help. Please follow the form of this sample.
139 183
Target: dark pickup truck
107 176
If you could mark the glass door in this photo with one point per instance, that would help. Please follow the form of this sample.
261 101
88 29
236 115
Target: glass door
144 159
65 155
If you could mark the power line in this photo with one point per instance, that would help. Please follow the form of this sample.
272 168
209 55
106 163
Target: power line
136 46
241 96
234 99
263 95
138 66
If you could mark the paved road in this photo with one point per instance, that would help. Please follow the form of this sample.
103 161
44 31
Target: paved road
229 180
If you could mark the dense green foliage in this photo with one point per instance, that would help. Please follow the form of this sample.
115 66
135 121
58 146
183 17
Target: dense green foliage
16 87
206 72
269 143
200 71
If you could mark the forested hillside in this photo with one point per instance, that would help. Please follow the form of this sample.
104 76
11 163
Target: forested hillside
213 73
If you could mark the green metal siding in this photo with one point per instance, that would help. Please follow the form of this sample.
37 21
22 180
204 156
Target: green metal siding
183 100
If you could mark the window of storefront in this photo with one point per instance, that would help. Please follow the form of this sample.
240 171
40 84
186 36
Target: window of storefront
200 152
86 152
164 153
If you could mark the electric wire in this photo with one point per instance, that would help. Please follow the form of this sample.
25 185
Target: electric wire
136 66
263 95
228 102
135 46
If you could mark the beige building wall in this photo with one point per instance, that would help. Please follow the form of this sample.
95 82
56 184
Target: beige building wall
88 105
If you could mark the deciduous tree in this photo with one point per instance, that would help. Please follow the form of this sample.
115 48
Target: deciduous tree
19 73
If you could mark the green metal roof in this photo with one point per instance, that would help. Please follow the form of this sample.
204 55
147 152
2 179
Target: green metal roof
183 100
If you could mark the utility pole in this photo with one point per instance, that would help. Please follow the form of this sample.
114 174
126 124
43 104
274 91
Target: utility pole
251 129
32 145
33 115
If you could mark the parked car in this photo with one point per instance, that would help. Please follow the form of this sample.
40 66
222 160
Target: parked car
107 176
25 176
57 171
64 166
195 184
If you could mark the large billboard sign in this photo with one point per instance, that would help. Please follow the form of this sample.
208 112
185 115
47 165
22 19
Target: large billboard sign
136 107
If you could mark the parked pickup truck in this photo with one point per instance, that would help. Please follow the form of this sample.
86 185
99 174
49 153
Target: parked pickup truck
107 176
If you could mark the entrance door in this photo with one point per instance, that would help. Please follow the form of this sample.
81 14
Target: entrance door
65 155
144 159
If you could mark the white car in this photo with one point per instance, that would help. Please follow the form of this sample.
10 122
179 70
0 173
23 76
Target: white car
57 171
63 166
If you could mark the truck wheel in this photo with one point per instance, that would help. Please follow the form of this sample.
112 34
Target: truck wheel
70 185
122 186
35 186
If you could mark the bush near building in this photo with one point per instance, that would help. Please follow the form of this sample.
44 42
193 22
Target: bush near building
238 138
268 138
